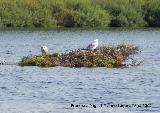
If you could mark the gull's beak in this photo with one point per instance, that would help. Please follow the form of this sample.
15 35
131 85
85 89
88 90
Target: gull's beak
96 40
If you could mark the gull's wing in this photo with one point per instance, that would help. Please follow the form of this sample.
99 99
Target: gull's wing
90 46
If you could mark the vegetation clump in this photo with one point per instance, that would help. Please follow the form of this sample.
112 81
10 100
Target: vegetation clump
105 56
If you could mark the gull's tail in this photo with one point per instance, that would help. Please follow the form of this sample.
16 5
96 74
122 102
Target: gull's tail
8 63
83 49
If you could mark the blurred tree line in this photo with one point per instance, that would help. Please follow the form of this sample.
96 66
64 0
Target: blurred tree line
79 13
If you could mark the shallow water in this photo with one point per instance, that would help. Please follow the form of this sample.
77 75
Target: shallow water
53 90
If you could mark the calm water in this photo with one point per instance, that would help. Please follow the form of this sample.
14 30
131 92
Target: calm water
53 90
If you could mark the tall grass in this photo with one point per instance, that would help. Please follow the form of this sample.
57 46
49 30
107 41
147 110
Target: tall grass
79 13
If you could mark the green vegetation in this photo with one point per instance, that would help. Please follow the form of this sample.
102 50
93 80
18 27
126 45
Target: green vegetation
79 13
152 13
106 56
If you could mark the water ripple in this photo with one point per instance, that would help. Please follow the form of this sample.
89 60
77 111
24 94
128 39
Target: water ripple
48 90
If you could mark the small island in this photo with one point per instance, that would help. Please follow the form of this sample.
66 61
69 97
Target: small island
103 56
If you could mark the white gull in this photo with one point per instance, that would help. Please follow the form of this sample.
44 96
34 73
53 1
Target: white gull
44 50
93 45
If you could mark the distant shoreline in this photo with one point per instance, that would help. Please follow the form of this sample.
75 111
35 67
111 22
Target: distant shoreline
81 29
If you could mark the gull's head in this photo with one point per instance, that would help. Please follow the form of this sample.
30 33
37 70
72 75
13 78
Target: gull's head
44 46
96 40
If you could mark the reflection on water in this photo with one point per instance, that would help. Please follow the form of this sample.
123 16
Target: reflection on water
53 90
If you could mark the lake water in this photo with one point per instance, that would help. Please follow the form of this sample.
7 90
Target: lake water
55 89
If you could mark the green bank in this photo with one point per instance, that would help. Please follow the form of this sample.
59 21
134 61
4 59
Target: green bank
79 13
